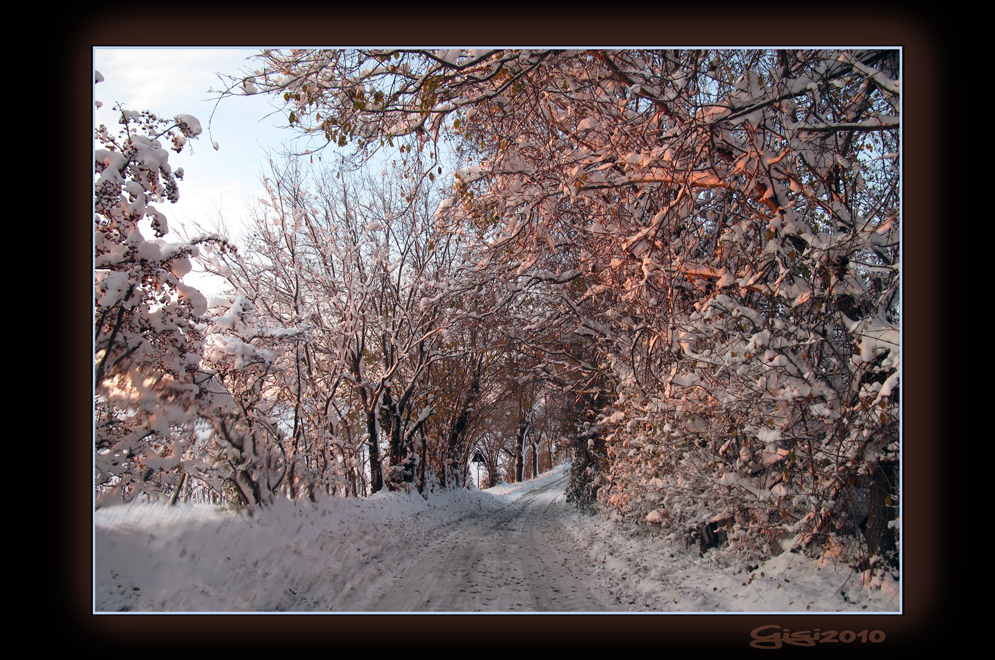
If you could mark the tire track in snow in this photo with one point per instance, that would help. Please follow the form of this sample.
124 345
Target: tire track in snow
504 561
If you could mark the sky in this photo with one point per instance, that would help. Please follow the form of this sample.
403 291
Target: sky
217 184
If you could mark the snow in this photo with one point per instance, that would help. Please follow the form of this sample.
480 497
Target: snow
588 124
189 124
297 556
196 298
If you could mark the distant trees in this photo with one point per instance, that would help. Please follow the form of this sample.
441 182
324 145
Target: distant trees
722 226
386 367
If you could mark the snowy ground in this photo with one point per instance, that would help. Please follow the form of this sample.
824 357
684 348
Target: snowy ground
513 548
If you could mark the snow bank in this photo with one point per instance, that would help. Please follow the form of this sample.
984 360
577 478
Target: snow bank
646 574
289 556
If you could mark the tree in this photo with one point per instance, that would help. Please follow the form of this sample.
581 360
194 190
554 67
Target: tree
729 219
356 271
148 387
262 455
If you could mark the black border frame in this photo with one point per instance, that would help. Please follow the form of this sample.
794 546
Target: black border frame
928 580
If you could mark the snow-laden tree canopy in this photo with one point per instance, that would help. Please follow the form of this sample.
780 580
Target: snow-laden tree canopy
722 225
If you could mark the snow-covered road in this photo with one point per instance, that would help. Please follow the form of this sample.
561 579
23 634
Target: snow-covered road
512 548
518 558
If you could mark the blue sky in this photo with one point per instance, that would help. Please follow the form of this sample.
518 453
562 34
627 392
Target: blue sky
169 81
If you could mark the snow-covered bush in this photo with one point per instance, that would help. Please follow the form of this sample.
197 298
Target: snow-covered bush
149 389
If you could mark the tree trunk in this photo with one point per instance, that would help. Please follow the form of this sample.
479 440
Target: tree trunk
373 445
246 479
880 511
179 487
424 459
523 430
